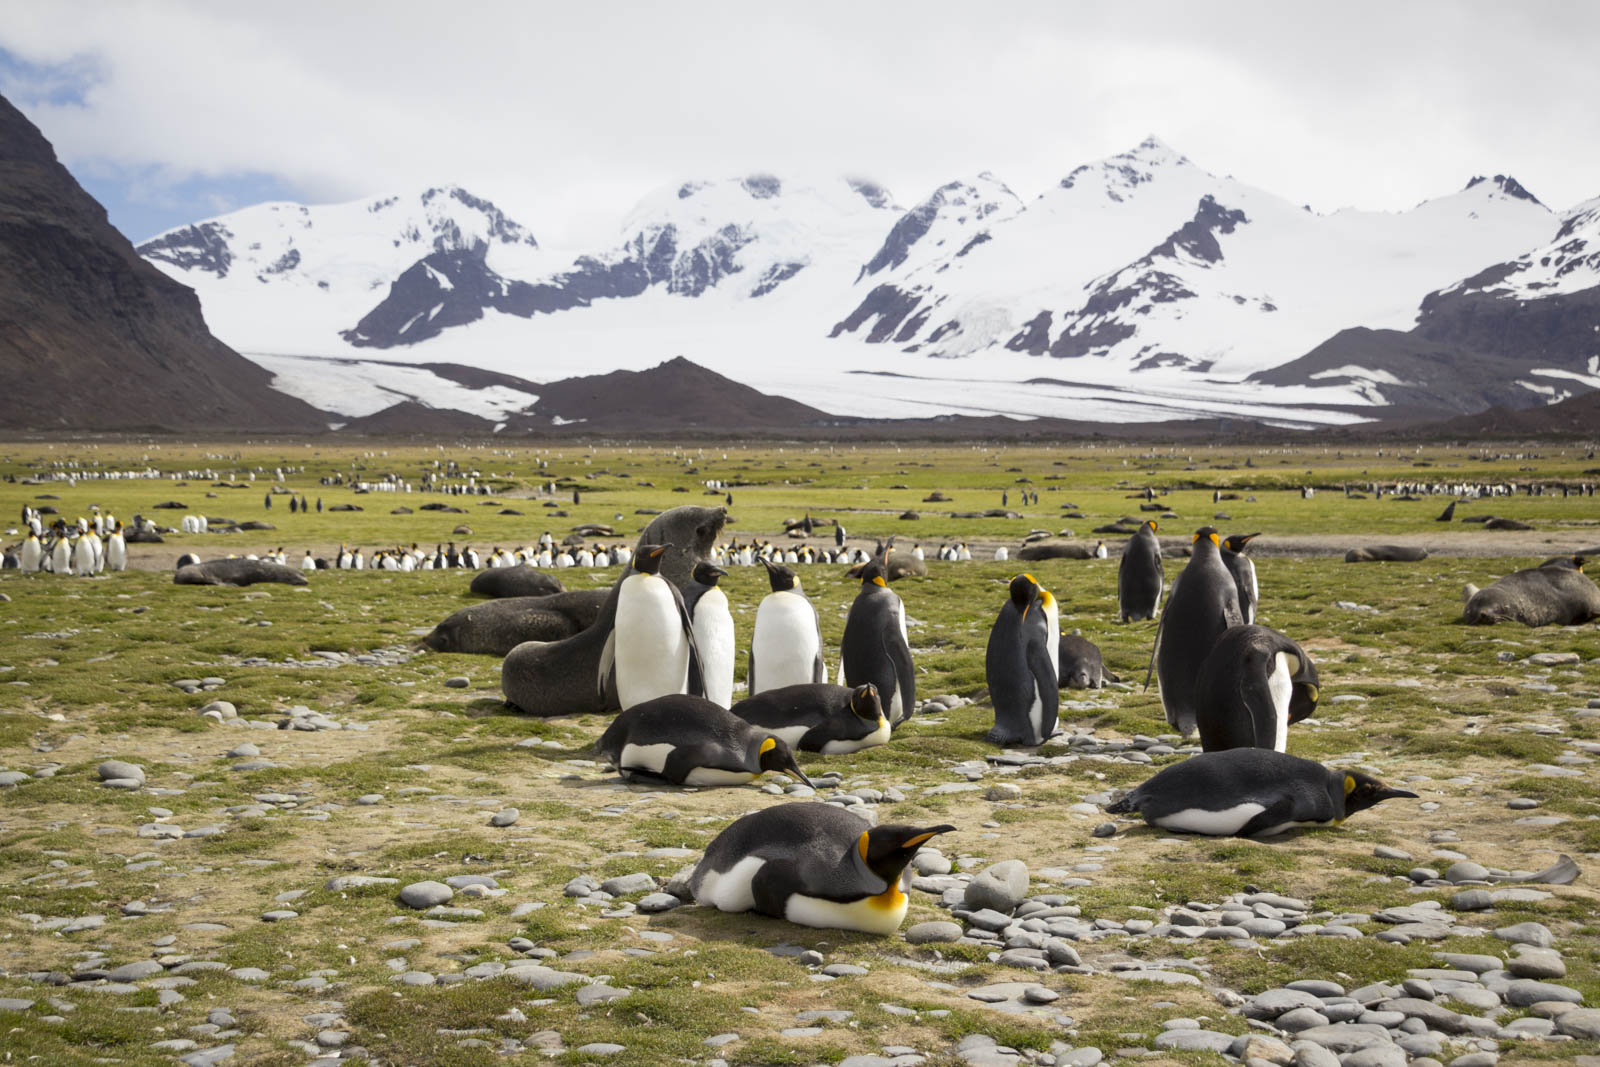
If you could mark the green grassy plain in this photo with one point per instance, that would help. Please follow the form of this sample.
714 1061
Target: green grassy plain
87 666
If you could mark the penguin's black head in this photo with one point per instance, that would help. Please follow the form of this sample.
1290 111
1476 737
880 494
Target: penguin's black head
781 577
1024 590
776 755
1362 791
872 572
708 573
1239 542
1206 533
865 703
1304 691
648 559
887 849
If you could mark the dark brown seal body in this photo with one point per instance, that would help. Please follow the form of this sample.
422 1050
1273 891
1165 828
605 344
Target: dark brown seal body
1556 592
237 572
521 580
497 626
562 677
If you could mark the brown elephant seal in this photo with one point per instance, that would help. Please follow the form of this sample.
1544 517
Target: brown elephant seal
899 566
1385 554
1556 592
521 580
1082 666
495 627
236 572
1056 550
563 677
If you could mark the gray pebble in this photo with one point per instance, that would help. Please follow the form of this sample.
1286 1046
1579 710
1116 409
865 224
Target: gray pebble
1528 933
505 817
426 894
1000 887
118 770
457 682
933 933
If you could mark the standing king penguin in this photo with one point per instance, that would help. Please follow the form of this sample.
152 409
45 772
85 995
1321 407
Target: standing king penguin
1020 668
875 649
786 648
1255 683
1243 569
117 549
651 650
713 631
1204 603
1140 577
812 864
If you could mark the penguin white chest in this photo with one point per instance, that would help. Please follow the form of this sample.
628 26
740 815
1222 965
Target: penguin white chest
713 634
1213 823
1280 686
731 890
652 650
785 643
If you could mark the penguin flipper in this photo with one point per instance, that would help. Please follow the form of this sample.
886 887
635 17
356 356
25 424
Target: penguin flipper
1048 689
606 679
1277 814
905 673
819 669
697 673
750 673
1254 710
686 758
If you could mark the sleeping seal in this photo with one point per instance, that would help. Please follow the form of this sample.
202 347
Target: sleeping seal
1556 592
562 677
1386 554
237 572
495 627
521 580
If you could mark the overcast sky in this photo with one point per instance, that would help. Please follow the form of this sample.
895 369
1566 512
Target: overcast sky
567 113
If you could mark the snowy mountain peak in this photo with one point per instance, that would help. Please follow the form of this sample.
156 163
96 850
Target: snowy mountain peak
361 242
955 208
1568 263
1121 173
1506 185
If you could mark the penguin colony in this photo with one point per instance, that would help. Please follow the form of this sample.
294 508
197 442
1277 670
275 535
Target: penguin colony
669 666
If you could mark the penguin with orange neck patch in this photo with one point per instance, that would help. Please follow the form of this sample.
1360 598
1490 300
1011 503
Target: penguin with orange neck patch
1022 667
1203 604
812 864
874 648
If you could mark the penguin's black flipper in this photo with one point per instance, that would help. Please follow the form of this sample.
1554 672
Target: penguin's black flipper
611 743
772 886
1253 724
686 758
819 669
905 674
606 677
1277 813
750 672
1123 805
644 776
1048 689
697 674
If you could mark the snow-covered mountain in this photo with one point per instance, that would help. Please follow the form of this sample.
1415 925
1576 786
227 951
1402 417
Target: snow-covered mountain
1522 331
1146 261
1138 287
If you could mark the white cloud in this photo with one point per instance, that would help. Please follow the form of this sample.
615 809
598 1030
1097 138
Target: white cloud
567 113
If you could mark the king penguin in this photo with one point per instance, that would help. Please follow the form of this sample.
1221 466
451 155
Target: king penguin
1020 670
786 648
874 648
713 631
651 651
1251 792
687 740
1252 687
1243 569
83 555
812 864
117 549
1204 603
1140 577
32 555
